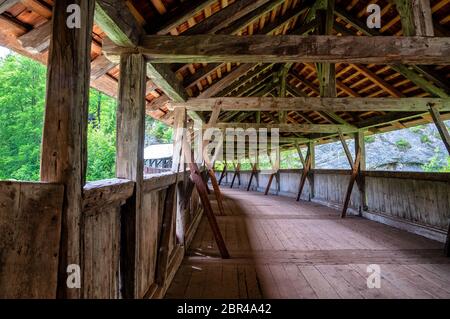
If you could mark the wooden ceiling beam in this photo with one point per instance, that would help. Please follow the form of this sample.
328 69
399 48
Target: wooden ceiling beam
211 68
185 11
226 81
377 80
411 75
121 27
315 104
288 128
225 17
291 48
246 78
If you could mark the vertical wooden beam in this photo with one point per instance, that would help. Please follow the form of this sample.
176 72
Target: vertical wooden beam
416 17
269 184
64 155
237 169
129 160
201 188
184 192
360 144
224 172
170 202
306 167
312 165
353 177
210 166
442 128
178 130
326 71
254 171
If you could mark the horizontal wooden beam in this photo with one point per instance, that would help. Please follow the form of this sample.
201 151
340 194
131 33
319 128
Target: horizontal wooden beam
291 48
291 128
315 104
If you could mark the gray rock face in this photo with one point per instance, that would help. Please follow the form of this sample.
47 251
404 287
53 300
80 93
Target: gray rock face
403 150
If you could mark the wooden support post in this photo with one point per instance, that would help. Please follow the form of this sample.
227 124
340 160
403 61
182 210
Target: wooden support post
170 202
184 191
326 71
205 177
210 165
346 149
236 174
64 155
416 17
129 161
305 172
254 171
300 154
353 177
201 188
224 172
442 128
269 184
360 144
275 168
312 165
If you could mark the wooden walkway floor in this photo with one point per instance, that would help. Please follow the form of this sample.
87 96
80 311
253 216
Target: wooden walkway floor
284 249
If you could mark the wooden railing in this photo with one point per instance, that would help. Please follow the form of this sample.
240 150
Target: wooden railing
31 212
400 199
101 233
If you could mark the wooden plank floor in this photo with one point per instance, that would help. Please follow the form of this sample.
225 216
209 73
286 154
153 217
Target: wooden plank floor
284 249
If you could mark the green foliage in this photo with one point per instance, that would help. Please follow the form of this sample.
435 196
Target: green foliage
403 144
425 139
101 137
22 101
417 129
158 132
434 164
369 139
22 96
290 159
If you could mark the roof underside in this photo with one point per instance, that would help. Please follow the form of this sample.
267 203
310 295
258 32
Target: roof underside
273 17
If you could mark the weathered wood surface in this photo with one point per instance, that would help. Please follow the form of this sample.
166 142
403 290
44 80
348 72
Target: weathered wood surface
38 39
7 4
101 252
286 249
421 199
315 104
129 163
64 142
106 193
30 229
291 48
354 175
293 128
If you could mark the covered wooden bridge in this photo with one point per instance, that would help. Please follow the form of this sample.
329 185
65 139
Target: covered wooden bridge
315 70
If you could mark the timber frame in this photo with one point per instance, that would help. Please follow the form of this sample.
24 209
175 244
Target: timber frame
311 69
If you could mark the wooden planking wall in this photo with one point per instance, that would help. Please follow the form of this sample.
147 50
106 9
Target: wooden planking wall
418 201
422 199
101 252
101 233
30 228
